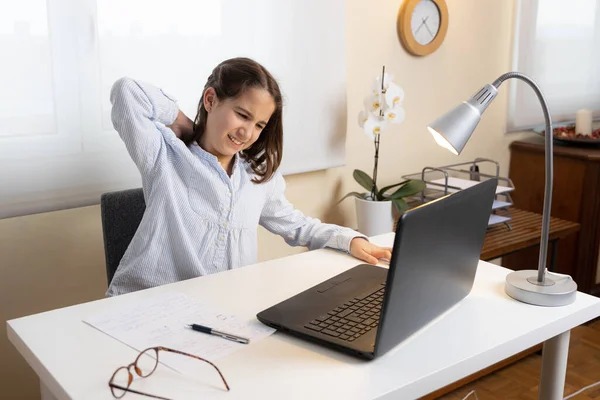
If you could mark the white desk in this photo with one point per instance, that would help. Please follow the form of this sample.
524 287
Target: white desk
74 360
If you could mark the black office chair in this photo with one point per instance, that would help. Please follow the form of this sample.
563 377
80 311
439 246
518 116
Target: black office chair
121 214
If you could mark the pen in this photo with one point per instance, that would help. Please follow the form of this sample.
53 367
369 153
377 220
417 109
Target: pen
210 331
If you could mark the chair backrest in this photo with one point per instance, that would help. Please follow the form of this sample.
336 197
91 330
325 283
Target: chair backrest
121 214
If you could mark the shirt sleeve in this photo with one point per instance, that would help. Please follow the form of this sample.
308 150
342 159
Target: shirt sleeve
279 217
136 109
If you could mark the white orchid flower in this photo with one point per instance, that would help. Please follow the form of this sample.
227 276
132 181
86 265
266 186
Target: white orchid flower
373 104
394 115
374 126
394 95
387 79
362 118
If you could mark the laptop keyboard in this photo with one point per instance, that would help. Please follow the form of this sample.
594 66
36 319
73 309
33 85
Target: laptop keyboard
351 320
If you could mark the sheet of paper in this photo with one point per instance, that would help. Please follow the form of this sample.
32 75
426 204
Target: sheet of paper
462 184
500 204
163 320
497 219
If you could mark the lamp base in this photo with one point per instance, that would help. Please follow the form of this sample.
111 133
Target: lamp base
553 292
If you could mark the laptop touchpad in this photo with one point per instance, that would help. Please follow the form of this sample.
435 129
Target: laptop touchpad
327 286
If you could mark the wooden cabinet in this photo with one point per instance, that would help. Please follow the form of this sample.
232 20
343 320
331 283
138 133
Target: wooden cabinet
576 197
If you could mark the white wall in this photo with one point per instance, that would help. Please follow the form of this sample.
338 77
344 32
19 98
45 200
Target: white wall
56 259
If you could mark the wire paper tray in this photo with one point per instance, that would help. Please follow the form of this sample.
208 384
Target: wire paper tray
440 181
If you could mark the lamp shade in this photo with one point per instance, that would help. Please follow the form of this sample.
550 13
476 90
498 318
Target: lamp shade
453 129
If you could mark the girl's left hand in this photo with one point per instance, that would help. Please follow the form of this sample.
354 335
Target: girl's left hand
369 252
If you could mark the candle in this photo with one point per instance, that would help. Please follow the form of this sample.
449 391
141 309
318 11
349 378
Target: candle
583 122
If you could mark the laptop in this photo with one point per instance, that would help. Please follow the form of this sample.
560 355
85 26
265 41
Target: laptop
368 310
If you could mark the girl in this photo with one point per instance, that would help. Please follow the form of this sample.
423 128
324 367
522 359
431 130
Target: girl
210 182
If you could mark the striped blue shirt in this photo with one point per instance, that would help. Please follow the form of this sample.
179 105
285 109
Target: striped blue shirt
198 220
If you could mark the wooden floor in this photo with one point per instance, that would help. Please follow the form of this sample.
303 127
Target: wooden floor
520 380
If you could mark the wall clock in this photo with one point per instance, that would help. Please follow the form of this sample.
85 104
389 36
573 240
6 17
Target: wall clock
422 25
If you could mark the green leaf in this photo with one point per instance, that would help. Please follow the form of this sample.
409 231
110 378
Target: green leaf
363 179
385 189
401 205
355 194
410 188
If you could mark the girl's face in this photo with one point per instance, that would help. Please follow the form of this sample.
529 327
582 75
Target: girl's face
234 124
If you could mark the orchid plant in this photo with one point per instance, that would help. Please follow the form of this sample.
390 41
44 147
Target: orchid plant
383 106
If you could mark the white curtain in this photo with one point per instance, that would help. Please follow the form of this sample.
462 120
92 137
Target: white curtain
58 148
557 44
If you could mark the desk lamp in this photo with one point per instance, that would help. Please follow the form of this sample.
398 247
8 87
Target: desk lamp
452 131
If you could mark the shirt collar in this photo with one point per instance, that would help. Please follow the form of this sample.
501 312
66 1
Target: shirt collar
213 159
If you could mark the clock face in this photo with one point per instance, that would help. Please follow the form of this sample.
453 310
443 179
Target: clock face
425 22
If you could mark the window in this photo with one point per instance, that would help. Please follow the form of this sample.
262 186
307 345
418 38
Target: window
556 44
58 148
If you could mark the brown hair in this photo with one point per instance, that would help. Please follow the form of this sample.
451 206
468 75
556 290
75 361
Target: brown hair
230 79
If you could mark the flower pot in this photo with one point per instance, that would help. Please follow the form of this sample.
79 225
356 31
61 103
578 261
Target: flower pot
374 217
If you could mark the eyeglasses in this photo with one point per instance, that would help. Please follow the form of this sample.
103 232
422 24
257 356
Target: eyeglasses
144 365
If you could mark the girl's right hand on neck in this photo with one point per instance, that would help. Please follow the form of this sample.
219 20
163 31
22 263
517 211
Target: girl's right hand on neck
183 127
